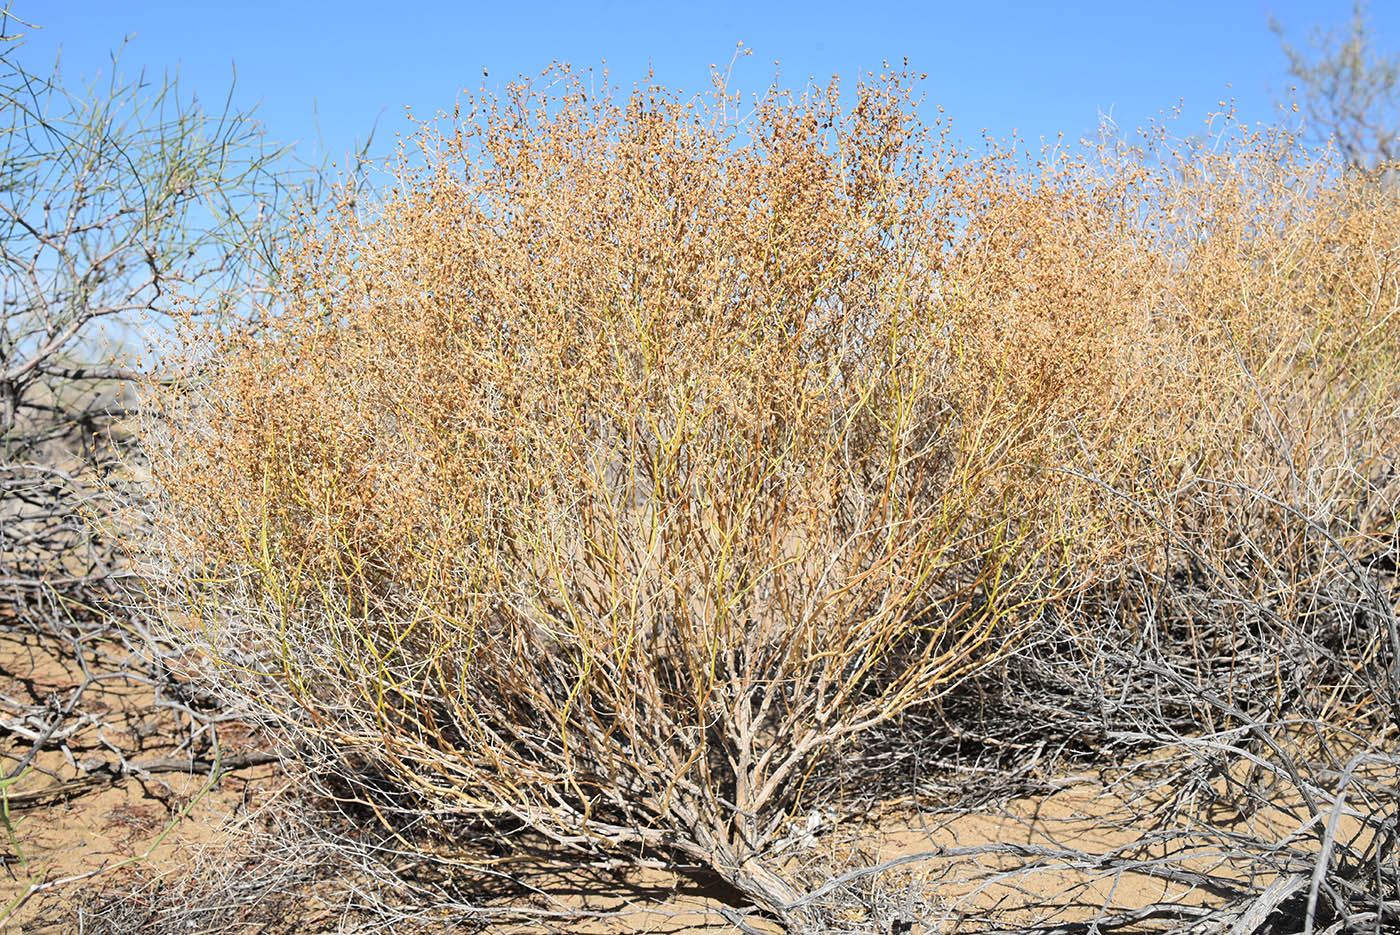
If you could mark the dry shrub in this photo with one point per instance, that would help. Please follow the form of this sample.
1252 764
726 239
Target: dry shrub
609 471
626 455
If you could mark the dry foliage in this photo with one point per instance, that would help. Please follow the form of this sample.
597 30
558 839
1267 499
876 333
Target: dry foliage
628 454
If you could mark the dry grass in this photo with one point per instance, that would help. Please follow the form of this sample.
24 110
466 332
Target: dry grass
629 454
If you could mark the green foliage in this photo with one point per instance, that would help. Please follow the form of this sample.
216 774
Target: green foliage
118 199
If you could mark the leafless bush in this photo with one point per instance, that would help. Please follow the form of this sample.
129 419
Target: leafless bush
1350 93
115 199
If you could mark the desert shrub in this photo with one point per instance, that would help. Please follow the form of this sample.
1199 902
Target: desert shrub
625 455
610 469
1239 650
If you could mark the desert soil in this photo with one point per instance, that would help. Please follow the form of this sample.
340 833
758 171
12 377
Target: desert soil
81 820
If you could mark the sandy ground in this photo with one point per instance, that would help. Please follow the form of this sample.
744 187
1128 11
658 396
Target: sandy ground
117 791
79 820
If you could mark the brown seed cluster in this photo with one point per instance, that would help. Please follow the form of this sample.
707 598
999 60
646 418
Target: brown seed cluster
626 455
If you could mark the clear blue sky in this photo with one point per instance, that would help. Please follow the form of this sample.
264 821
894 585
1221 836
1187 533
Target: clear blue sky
1039 67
